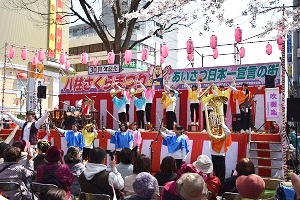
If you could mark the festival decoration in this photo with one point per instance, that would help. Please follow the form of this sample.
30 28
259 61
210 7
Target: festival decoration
242 52
189 46
35 60
84 58
215 53
41 55
111 58
128 56
164 50
162 60
22 75
213 41
280 47
190 56
238 35
95 62
145 54
62 58
67 65
11 53
279 40
24 53
269 49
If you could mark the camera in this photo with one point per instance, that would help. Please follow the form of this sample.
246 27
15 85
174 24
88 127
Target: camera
111 154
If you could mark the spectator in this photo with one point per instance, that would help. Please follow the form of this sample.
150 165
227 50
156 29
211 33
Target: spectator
96 179
42 147
142 163
3 146
72 159
144 187
251 186
125 166
25 159
296 184
12 169
167 171
204 164
55 194
243 167
53 172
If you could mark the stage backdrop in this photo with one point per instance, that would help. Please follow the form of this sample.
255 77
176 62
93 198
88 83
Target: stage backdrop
97 87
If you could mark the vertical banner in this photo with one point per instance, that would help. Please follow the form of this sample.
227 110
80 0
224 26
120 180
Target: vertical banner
272 104
58 34
52 27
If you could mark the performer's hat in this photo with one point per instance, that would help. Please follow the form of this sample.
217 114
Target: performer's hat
204 164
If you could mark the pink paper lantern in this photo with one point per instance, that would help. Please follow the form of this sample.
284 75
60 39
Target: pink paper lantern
190 56
62 58
162 60
22 75
269 49
164 50
279 40
238 34
67 65
95 62
11 53
189 46
84 58
215 53
280 47
213 41
35 60
24 53
145 54
41 55
242 52
128 56
111 58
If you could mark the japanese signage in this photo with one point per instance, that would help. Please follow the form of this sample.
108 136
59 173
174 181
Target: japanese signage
272 104
52 27
104 69
253 75
58 34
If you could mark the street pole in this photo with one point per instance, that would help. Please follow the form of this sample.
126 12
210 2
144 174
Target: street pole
21 104
296 45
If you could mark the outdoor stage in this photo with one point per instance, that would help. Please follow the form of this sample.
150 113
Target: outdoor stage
199 144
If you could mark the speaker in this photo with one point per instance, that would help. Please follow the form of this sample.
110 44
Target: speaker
41 92
236 122
293 109
270 81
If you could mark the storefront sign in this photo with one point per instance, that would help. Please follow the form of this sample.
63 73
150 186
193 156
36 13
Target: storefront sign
272 105
104 69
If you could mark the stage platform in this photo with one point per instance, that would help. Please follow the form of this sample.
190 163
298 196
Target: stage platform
199 144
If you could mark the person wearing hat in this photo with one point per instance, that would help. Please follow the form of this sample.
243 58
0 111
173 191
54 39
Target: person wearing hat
149 95
169 102
205 165
140 105
85 106
120 104
176 95
89 133
251 186
126 92
53 172
144 187
177 144
73 137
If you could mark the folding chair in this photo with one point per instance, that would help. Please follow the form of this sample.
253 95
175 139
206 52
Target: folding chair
40 189
10 186
231 196
90 196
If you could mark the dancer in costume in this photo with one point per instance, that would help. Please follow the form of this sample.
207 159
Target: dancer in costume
137 139
85 106
89 133
149 95
176 94
140 104
30 126
169 101
120 104
177 144
193 94
73 137
126 93
222 92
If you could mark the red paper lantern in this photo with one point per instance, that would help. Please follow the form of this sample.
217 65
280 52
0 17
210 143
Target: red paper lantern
164 50
41 55
145 54
242 52
67 65
279 40
162 60
238 34
269 49
24 53
84 58
189 46
280 47
62 58
22 75
95 62
35 60
213 41
128 56
215 53
11 53
190 56
111 58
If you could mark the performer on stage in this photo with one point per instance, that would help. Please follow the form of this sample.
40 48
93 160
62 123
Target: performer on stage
169 101
120 104
218 150
89 133
137 139
68 120
149 95
222 92
176 94
242 96
193 94
126 93
73 137
85 106
30 126
140 104
177 144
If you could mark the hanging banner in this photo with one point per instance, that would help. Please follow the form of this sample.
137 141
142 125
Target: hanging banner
272 104
58 34
252 74
36 77
52 27
104 69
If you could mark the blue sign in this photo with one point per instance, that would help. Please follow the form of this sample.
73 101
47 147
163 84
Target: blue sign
289 44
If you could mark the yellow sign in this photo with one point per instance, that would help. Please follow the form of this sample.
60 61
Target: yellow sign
52 28
37 71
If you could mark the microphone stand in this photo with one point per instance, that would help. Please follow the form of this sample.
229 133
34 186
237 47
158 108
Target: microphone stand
150 147
102 124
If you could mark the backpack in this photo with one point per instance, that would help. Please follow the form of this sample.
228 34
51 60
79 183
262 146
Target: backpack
285 191
49 177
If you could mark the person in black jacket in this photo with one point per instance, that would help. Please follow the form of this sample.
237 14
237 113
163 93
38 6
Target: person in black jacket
167 171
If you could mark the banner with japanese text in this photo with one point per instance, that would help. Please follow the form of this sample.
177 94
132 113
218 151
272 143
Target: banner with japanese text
252 74
52 27
272 104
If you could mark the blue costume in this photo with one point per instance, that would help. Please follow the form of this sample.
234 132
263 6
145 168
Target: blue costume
140 103
122 140
119 102
175 143
73 140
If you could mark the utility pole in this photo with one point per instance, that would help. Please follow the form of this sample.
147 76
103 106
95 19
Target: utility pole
296 58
